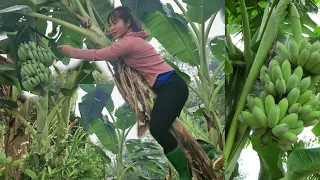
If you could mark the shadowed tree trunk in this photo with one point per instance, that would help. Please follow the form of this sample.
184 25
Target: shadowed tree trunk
16 140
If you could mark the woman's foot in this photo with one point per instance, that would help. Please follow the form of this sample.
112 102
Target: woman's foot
179 162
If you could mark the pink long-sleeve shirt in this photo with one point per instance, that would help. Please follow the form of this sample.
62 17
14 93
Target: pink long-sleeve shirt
136 52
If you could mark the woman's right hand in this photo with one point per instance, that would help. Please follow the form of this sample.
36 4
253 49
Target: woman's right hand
107 32
66 49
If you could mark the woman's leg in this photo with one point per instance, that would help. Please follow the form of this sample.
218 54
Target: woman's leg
171 97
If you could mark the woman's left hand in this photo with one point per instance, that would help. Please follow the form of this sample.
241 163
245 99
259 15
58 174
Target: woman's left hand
66 49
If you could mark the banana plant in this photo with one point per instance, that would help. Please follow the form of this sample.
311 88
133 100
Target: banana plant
112 132
256 49
190 46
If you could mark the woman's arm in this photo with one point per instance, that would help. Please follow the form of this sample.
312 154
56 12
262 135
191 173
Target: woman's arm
120 48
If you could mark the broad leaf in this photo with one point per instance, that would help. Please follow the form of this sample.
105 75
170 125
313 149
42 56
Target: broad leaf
92 104
316 130
140 7
177 39
31 173
303 162
184 75
87 87
196 8
125 118
217 47
106 133
102 154
269 159
103 8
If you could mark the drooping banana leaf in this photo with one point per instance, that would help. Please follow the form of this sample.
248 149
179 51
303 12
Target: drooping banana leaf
303 162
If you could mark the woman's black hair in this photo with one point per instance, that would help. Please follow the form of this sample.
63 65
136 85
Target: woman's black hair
124 13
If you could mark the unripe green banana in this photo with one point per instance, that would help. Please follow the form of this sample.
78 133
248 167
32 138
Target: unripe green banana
37 78
281 86
314 47
280 129
23 51
40 55
26 86
292 82
296 131
305 97
248 119
305 110
41 75
34 81
273 116
299 123
263 95
276 73
288 136
32 45
313 101
316 68
282 51
264 69
26 69
295 108
264 78
272 63
303 44
258 132
259 103
250 101
286 70
293 96
303 57
30 54
311 123
42 67
294 51
298 71
46 78
31 69
290 119
312 60
26 47
21 55
30 83
271 88
283 105
35 55
259 117
304 84
312 116
269 103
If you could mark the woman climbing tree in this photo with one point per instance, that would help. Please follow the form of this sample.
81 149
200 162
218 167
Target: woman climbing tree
172 91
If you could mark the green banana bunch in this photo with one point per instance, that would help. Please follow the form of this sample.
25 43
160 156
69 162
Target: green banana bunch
287 104
30 51
35 74
302 54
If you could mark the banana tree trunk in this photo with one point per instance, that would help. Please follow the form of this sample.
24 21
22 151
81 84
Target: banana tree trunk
16 140
138 94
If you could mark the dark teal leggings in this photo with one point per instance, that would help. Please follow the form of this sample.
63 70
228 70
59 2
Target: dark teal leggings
171 97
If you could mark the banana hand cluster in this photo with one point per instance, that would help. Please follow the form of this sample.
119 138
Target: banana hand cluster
304 54
286 105
34 74
35 70
31 51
